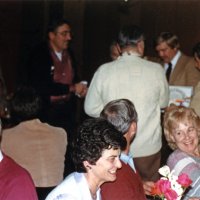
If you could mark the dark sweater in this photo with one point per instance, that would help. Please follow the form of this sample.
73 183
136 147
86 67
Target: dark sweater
128 186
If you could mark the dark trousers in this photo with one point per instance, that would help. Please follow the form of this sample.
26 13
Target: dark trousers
148 166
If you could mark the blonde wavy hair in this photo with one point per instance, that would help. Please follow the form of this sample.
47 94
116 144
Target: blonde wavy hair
174 115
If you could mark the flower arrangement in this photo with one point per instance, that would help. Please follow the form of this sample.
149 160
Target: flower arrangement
170 187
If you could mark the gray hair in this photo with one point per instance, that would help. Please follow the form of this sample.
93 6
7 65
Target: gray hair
120 113
130 35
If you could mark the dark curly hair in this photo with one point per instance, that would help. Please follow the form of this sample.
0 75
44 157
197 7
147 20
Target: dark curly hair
94 136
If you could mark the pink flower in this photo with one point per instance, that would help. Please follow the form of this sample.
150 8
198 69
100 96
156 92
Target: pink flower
170 187
184 180
171 195
163 185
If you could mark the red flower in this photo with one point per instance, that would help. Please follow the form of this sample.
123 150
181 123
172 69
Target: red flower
161 186
184 180
156 191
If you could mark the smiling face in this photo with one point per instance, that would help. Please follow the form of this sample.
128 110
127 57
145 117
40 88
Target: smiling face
186 138
59 39
106 167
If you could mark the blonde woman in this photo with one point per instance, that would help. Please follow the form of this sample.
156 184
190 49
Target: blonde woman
182 131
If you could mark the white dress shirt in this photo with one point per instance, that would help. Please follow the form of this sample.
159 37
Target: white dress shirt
173 61
74 187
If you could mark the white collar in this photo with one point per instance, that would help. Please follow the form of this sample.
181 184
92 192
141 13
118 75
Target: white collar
175 58
59 55
173 61
129 53
127 159
1 156
83 186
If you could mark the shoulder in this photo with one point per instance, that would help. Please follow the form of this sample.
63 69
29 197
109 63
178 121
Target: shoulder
176 156
15 170
179 161
41 47
17 180
54 129
188 60
64 189
40 51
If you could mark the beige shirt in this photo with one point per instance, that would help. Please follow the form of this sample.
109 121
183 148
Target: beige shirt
39 148
142 82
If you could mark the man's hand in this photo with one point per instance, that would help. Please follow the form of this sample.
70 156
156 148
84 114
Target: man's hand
81 89
148 186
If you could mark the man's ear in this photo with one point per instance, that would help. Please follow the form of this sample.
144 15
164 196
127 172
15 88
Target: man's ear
140 47
51 35
118 48
133 127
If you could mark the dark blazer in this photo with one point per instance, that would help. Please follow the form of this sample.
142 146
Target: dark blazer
185 73
40 73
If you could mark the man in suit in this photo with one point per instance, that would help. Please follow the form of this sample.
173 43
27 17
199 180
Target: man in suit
52 72
183 71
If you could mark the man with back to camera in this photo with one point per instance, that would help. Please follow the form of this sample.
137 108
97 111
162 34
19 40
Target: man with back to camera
180 68
142 82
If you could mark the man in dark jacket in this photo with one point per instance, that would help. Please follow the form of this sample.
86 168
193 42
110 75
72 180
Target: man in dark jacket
52 72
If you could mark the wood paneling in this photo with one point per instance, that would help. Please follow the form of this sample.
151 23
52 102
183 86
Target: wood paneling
95 24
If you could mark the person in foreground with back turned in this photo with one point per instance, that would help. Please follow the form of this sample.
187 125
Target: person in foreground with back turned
96 152
36 146
142 82
128 185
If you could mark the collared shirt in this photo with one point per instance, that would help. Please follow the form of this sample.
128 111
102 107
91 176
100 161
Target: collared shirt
74 187
128 159
1 156
173 61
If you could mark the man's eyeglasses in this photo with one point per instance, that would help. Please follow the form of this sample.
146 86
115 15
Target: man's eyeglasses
64 33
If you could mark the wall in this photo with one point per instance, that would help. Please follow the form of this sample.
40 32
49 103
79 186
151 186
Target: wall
95 25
